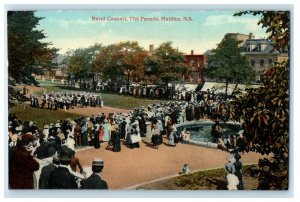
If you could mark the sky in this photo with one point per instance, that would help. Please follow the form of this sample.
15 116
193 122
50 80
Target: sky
71 29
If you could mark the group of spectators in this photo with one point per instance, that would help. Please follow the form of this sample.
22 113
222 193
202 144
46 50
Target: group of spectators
66 100
144 124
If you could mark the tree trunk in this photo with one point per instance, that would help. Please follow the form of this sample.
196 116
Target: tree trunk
128 77
226 89
167 91
235 87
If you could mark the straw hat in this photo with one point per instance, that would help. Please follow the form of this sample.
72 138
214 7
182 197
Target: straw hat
14 137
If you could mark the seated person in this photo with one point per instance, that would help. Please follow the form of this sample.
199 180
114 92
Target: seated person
186 136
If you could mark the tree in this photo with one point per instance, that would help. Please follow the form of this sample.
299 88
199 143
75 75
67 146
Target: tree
27 55
226 63
166 64
80 63
265 111
122 59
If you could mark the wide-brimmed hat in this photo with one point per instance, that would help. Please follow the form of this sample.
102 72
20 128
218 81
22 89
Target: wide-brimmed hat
14 137
98 162
65 154
237 156
73 123
240 132
46 127
28 137
230 158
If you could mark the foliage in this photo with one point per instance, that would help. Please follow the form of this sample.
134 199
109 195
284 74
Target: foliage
121 60
227 64
166 64
27 55
265 111
80 63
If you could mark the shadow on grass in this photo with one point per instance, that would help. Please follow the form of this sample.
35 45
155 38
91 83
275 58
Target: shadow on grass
220 184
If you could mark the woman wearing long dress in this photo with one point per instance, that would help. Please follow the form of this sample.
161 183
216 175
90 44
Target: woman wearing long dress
172 136
117 140
135 136
106 130
84 135
155 136
96 136
101 133
148 137
161 129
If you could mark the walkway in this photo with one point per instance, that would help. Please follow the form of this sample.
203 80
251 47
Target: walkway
136 166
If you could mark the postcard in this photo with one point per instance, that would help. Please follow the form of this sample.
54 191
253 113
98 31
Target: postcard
157 99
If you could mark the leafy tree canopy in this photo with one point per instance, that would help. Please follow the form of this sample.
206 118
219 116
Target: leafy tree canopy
117 60
265 111
166 64
80 62
27 55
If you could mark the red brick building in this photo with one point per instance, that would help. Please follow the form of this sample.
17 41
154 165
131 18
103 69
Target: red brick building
196 66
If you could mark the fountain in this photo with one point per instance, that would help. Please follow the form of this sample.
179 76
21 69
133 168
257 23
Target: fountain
201 131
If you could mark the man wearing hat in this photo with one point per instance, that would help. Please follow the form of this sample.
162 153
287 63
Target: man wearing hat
238 171
22 164
95 181
232 180
46 171
61 178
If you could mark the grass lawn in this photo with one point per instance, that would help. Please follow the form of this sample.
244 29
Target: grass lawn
202 180
127 102
41 116
44 116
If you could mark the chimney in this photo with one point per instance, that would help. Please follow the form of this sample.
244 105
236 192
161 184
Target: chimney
192 52
151 48
251 36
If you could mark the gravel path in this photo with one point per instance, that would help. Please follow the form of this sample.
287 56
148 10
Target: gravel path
131 167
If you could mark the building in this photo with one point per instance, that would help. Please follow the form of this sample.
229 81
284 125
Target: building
195 63
54 73
239 37
259 53
261 56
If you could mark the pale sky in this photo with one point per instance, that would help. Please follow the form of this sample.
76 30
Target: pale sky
71 29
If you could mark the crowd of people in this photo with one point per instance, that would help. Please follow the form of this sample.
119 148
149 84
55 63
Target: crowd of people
66 100
142 125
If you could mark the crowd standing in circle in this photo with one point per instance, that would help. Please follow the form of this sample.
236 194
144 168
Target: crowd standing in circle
66 100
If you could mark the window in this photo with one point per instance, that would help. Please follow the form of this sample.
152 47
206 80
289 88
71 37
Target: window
259 48
248 48
252 62
262 62
270 61
261 77
192 63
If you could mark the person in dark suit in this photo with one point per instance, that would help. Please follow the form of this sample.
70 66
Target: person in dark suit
22 164
46 172
94 181
61 178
